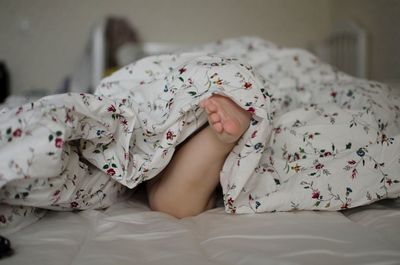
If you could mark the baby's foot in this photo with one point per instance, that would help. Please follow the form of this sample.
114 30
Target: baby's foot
228 120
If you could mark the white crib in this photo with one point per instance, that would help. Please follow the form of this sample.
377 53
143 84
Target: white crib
345 48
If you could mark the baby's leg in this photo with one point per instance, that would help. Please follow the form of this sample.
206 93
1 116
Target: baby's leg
186 186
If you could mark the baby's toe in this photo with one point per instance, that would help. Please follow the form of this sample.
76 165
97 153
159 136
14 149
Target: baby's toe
218 127
211 106
214 117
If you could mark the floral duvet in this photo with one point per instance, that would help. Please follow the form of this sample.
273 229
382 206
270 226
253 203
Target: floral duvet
318 140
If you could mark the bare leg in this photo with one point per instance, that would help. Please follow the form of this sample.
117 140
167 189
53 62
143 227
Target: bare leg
186 186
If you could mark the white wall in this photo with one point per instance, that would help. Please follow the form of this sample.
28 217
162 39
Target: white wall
42 40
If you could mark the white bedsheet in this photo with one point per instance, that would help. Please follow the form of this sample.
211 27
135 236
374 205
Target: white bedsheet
128 233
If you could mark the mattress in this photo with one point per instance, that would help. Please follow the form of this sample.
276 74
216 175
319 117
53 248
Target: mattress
129 233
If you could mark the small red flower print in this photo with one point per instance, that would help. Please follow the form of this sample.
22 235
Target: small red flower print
333 94
248 85
170 135
327 154
182 70
315 195
17 133
56 193
251 110
74 204
351 162
111 172
389 182
3 219
58 142
345 205
20 109
354 173
319 166
254 134
68 117
111 108
124 121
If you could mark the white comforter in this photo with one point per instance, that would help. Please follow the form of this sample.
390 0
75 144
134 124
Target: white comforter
319 139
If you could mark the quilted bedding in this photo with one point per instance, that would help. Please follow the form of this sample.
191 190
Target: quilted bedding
318 140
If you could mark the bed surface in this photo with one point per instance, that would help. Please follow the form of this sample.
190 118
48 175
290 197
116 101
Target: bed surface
129 233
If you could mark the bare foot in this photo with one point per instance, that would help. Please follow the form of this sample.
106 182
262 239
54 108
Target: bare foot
227 119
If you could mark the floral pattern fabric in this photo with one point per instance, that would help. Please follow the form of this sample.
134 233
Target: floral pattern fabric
334 141
318 140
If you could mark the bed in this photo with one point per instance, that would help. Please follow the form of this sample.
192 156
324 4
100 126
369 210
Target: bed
128 232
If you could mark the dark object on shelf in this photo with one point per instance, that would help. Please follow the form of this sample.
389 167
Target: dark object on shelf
4 82
5 248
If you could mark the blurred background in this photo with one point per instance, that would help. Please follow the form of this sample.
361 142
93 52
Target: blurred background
43 41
